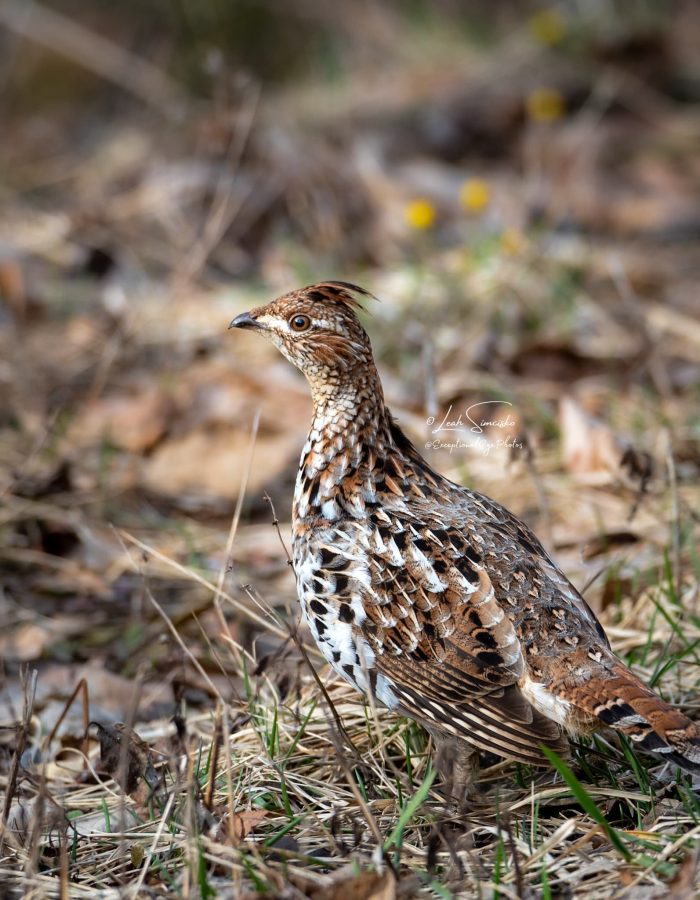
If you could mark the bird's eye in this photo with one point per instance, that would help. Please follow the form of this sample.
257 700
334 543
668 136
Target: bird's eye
299 323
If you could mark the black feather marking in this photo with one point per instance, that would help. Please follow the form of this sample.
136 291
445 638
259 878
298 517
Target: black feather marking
327 557
400 539
469 573
472 555
345 613
489 658
341 583
612 715
486 639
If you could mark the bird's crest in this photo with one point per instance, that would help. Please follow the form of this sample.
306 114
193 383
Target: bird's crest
343 292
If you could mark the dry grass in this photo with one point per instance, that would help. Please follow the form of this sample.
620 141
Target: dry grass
321 804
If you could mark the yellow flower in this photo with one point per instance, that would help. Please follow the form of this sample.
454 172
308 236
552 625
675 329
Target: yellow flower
420 214
545 105
474 195
513 241
548 26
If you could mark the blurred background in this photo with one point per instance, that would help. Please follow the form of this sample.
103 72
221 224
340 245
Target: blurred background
517 183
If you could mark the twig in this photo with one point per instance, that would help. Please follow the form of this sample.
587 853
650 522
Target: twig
28 693
216 741
675 520
183 646
152 849
194 576
276 524
227 564
92 51
326 696
80 688
229 778
122 775
222 210
159 609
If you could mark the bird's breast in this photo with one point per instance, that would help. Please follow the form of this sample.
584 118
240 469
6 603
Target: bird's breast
332 573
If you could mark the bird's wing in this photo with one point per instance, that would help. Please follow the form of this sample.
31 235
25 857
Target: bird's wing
439 623
517 537
500 529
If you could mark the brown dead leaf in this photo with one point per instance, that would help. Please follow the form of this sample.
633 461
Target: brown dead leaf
29 640
368 885
125 756
209 461
13 290
556 362
608 542
589 447
204 455
25 642
683 885
244 822
134 421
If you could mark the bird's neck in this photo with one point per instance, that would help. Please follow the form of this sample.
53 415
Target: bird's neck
348 413
354 453
349 432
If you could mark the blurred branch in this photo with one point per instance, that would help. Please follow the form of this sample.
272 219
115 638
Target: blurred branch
94 52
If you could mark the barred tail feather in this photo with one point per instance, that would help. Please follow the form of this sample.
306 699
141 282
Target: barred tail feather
626 704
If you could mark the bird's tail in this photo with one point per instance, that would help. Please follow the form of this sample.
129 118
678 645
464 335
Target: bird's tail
623 702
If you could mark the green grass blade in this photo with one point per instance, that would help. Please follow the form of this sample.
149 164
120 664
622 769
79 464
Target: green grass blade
409 810
586 801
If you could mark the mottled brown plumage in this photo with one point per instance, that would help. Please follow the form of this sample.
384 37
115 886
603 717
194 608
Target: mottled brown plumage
432 596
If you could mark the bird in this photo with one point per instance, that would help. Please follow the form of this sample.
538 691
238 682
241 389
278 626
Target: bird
429 596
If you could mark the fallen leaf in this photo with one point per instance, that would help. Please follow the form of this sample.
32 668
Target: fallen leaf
13 289
554 362
368 885
683 885
29 640
244 822
25 642
608 542
589 447
203 457
133 421
125 756
209 461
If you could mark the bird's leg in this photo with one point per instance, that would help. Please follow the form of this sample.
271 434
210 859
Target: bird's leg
458 764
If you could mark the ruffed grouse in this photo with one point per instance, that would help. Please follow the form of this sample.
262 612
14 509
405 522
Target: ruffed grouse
433 597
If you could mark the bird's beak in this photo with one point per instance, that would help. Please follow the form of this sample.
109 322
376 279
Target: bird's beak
245 320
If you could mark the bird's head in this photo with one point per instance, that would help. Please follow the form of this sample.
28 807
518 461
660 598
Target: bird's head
318 330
